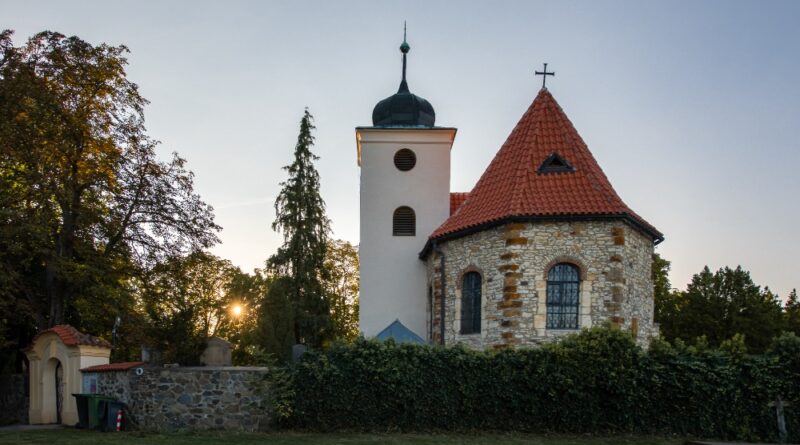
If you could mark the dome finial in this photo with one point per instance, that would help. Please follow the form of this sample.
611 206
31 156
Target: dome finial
403 108
404 48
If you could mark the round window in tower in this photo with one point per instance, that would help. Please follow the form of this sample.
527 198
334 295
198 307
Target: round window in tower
405 159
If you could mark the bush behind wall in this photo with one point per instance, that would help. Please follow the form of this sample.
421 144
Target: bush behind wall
597 381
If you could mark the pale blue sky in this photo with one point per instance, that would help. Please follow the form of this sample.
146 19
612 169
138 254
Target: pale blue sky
691 108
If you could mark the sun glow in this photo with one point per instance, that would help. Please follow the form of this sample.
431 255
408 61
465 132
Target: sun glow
237 310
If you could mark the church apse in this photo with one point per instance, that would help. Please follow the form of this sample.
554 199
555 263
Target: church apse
612 288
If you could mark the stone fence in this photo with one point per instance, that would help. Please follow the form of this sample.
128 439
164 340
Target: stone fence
190 398
13 399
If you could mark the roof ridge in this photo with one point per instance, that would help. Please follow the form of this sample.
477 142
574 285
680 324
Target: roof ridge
70 336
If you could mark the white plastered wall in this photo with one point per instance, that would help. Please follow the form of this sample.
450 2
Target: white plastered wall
393 279
44 355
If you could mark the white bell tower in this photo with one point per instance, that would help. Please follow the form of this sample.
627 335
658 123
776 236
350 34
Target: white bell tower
405 196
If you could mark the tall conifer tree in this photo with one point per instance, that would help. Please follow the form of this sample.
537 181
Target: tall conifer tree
792 313
300 215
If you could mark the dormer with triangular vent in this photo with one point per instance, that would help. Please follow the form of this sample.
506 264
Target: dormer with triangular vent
555 164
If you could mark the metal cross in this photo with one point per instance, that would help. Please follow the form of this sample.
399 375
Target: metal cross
544 74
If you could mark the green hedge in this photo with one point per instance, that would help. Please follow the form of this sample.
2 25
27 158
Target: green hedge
597 381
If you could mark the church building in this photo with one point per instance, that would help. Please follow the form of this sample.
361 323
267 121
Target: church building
540 247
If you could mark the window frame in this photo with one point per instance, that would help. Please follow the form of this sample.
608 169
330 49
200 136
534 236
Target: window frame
563 306
555 163
471 303
399 230
404 155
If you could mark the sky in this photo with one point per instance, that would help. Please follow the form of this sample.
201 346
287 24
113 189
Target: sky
690 107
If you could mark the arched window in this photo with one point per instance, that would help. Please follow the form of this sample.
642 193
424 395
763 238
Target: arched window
563 296
404 222
471 303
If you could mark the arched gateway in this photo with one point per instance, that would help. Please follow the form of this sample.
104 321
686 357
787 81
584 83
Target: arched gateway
55 358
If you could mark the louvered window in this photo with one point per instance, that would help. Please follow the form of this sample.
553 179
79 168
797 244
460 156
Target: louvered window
563 296
471 303
405 159
404 222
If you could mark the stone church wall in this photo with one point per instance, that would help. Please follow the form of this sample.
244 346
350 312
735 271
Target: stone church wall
614 261
191 398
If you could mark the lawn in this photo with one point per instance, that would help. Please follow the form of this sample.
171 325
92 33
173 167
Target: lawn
76 437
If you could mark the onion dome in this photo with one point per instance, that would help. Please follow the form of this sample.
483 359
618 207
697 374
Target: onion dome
403 109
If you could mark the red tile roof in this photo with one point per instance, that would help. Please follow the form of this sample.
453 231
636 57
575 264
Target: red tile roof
512 188
456 199
121 366
72 337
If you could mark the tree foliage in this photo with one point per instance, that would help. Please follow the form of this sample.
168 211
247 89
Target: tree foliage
341 288
247 291
85 199
196 294
300 261
275 332
666 300
792 313
660 273
718 306
85 204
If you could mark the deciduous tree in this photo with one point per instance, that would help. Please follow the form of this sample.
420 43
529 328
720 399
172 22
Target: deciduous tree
186 300
247 292
85 203
722 304
341 288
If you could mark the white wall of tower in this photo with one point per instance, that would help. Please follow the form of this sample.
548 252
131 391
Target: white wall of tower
393 279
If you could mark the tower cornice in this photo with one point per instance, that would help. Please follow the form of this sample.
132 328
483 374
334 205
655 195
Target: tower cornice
404 135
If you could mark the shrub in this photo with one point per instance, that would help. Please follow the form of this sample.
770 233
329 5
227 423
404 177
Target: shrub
597 381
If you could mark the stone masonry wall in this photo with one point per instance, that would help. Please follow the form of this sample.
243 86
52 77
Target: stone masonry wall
614 261
171 399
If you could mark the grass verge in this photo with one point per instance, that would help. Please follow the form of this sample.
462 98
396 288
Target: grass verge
79 437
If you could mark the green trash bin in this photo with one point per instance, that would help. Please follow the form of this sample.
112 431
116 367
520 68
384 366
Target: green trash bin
82 401
95 415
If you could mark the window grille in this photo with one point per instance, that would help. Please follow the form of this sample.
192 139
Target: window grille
563 296
471 303
404 222
405 159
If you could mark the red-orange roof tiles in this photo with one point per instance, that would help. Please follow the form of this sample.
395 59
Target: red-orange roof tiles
456 200
72 337
512 186
111 367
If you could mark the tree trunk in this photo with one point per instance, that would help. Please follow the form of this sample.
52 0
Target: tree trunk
56 285
54 297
